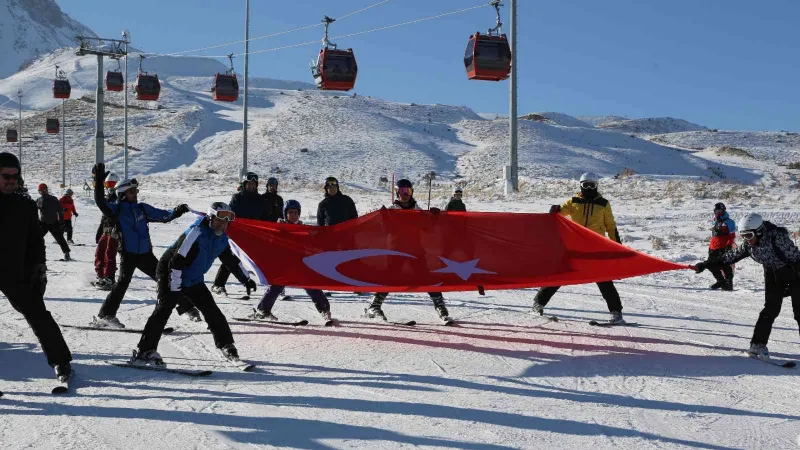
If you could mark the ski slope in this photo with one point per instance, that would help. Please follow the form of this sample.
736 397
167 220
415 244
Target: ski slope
501 379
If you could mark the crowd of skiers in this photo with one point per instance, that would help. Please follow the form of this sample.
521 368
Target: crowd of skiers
179 273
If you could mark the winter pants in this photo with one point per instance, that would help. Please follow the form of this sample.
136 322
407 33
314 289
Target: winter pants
129 262
54 229
317 296
775 283
31 304
722 272
105 257
607 288
222 276
197 295
66 228
380 297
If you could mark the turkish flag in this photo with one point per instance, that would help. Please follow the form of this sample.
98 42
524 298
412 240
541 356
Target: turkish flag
419 251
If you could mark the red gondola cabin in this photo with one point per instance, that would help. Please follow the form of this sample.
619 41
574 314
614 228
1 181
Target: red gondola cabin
61 88
52 126
226 88
336 70
147 87
114 81
487 57
11 135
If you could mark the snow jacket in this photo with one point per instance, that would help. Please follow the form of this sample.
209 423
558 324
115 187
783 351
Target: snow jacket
594 214
50 210
455 205
132 221
68 205
108 225
250 205
275 203
192 255
774 250
412 204
723 232
22 245
335 209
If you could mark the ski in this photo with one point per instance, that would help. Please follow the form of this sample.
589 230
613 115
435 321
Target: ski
63 385
787 364
244 297
298 323
66 260
241 365
595 323
330 323
286 298
100 287
188 372
447 321
167 330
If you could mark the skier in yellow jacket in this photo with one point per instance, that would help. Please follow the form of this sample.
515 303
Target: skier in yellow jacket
591 210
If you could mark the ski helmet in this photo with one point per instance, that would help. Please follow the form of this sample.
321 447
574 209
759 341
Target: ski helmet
331 181
720 207
9 160
221 211
272 181
69 192
41 187
403 183
458 191
250 176
125 185
291 204
111 180
753 222
589 180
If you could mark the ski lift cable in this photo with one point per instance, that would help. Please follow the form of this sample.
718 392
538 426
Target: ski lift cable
266 36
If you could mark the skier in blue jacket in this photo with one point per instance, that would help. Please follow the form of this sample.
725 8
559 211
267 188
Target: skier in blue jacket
132 221
180 275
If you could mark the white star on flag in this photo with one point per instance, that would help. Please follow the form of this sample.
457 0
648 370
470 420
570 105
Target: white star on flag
464 270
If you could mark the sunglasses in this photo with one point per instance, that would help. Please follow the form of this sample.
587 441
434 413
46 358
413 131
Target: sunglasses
227 216
9 177
748 234
404 191
589 184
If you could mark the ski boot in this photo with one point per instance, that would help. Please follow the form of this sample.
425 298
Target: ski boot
63 372
192 315
374 312
147 358
106 322
230 353
66 257
441 309
326 316
219 290
727 285
260 314
717 285
616 317
537 309
758 351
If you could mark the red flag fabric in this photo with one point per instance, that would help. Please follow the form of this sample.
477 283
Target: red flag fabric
421 251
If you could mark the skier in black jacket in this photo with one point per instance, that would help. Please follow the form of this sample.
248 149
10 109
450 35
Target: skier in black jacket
246 204
274 200
51 214
336 207
455 203
770 246
23 273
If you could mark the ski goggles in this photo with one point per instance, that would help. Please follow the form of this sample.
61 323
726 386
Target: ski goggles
227 216
331 184
250 177
749 234
404 191
589 184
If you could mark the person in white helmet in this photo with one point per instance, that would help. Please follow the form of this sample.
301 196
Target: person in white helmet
590 209
772 247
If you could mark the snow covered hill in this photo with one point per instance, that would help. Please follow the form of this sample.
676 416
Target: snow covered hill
600 120
652 125
776 146
30 28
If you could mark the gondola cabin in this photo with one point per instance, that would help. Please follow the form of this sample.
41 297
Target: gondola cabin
11 135
336 70
487 57
52 126
114 81
61 88
226 88
147 87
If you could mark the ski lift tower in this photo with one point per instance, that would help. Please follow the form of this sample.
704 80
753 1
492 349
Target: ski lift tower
112 48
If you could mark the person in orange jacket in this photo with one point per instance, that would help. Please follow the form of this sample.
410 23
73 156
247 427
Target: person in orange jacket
69 210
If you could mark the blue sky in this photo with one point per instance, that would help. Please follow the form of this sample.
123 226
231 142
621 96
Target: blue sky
728 64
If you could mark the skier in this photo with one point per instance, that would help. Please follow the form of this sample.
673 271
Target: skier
50 215
23 273
107 239
455 203
723 237
180 276
770 246
405 200
274 200
336 207
132 219
591 210
246 204
68 205
291 212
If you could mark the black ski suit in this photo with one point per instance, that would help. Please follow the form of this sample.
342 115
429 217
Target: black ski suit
51 214
335 209
23 274
246 205
275 203
781 260
455 205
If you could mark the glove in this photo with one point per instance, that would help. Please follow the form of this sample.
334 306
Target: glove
700 267
39 279
555 209
250 285
435 210
101 174
75 214
182 209
617 237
